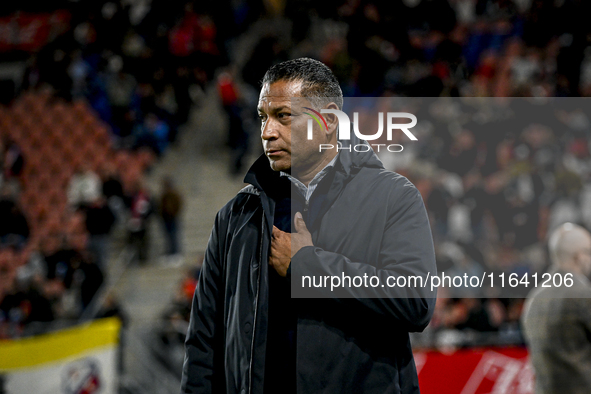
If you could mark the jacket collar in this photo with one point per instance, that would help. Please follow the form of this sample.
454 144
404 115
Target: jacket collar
349 163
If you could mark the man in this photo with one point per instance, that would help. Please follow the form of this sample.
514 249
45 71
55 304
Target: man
99 222
141 208
557 320
171 204
350 217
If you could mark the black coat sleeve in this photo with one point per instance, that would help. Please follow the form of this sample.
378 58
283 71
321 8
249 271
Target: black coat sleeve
406 250
203 369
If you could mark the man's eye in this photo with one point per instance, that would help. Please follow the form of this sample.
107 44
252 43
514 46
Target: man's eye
262 117
283 115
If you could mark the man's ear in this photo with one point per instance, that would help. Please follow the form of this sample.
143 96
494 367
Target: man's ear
332 120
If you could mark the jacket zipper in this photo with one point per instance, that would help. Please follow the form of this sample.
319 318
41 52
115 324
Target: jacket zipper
256 303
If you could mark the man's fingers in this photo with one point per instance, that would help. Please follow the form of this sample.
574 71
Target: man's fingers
276 232
300 225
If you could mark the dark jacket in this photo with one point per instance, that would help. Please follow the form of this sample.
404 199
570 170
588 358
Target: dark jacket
372 221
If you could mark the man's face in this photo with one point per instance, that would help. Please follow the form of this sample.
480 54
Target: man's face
284 128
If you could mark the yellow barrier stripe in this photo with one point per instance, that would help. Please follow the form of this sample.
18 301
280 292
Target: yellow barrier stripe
55 346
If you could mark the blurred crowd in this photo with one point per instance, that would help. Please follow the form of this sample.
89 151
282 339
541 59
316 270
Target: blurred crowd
497 176
493 189
51 271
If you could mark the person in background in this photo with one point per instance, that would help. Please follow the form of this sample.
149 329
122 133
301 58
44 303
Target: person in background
14 161
99 222
92 281
113 190
23 302
112 307
237 135
171 204
14 228
557 320
84 187
141 208
153 134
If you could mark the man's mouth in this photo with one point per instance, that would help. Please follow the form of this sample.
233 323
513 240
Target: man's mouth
274 152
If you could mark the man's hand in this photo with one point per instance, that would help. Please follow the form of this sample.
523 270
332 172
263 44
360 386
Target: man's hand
284 246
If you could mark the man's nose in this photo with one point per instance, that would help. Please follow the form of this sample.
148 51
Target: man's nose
269 131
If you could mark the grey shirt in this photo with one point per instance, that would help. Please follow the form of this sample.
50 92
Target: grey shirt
557 328
307 191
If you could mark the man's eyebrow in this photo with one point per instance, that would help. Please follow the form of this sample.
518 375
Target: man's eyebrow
275 109
281 107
